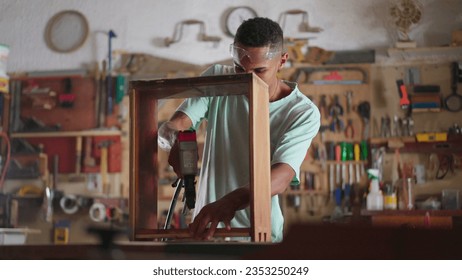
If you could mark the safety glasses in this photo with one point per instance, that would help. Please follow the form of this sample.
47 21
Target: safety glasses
239 54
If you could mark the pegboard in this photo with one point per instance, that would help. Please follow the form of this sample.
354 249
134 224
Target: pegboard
65 148
62 103
330 83
385 99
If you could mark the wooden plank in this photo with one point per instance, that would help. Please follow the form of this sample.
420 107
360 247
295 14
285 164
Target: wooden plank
133 178
194 87
184 233
143 188
260 182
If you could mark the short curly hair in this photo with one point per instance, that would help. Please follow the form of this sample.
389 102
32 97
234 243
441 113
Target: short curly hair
259 32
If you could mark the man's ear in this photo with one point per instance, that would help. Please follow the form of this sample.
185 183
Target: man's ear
284 58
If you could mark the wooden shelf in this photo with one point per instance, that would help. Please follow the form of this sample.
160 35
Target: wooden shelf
426 110
410 144
388 140
422 55
428 51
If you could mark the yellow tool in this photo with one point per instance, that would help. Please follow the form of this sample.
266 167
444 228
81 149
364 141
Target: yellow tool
104 165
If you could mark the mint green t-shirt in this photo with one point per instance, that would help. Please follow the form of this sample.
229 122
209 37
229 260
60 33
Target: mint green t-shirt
294 122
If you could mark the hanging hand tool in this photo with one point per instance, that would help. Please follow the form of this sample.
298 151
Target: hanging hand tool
67 98
404 127
338 212
102 94
337 124
309 180
104 146
347 191
356 152
364 150
453 102
344 174
349 129
364 111
111 35
397 127
88 160
50 191
335 111
296 197
323 106
78 177
357 165
78 154
351 174
97 94
358 172
349 97
322 153
318 152
446 164
338 151
410 126
331 180
385 130
404 99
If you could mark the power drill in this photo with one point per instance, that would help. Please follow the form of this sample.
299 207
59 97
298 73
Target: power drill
188 164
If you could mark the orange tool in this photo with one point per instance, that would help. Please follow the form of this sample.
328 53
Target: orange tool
404 99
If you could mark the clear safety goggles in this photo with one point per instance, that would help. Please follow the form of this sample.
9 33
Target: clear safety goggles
238 54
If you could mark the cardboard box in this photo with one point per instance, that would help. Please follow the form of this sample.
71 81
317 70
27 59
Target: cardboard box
15 236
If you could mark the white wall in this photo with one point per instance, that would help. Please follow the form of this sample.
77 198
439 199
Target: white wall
142 25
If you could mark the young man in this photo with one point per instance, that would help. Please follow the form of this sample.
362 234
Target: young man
223 193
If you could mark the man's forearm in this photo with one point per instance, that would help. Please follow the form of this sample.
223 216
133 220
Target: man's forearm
238 199
281 175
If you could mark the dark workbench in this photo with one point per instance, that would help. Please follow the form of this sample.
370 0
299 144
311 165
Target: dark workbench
304 241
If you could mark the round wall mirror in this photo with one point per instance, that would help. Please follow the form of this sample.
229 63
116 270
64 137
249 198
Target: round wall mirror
66 31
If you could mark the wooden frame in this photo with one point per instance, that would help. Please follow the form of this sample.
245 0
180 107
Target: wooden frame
143 151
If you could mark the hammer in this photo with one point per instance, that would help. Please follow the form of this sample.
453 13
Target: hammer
104 145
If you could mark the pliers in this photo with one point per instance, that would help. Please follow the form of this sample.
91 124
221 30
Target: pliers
349 129
335 111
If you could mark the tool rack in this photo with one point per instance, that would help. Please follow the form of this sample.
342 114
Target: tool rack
338 91
143 195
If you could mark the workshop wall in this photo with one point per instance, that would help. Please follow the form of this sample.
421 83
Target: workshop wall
142 25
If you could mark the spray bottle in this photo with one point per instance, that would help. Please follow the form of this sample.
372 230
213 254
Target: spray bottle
375 197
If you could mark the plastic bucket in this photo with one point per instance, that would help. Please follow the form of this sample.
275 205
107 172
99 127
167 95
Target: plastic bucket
4 51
